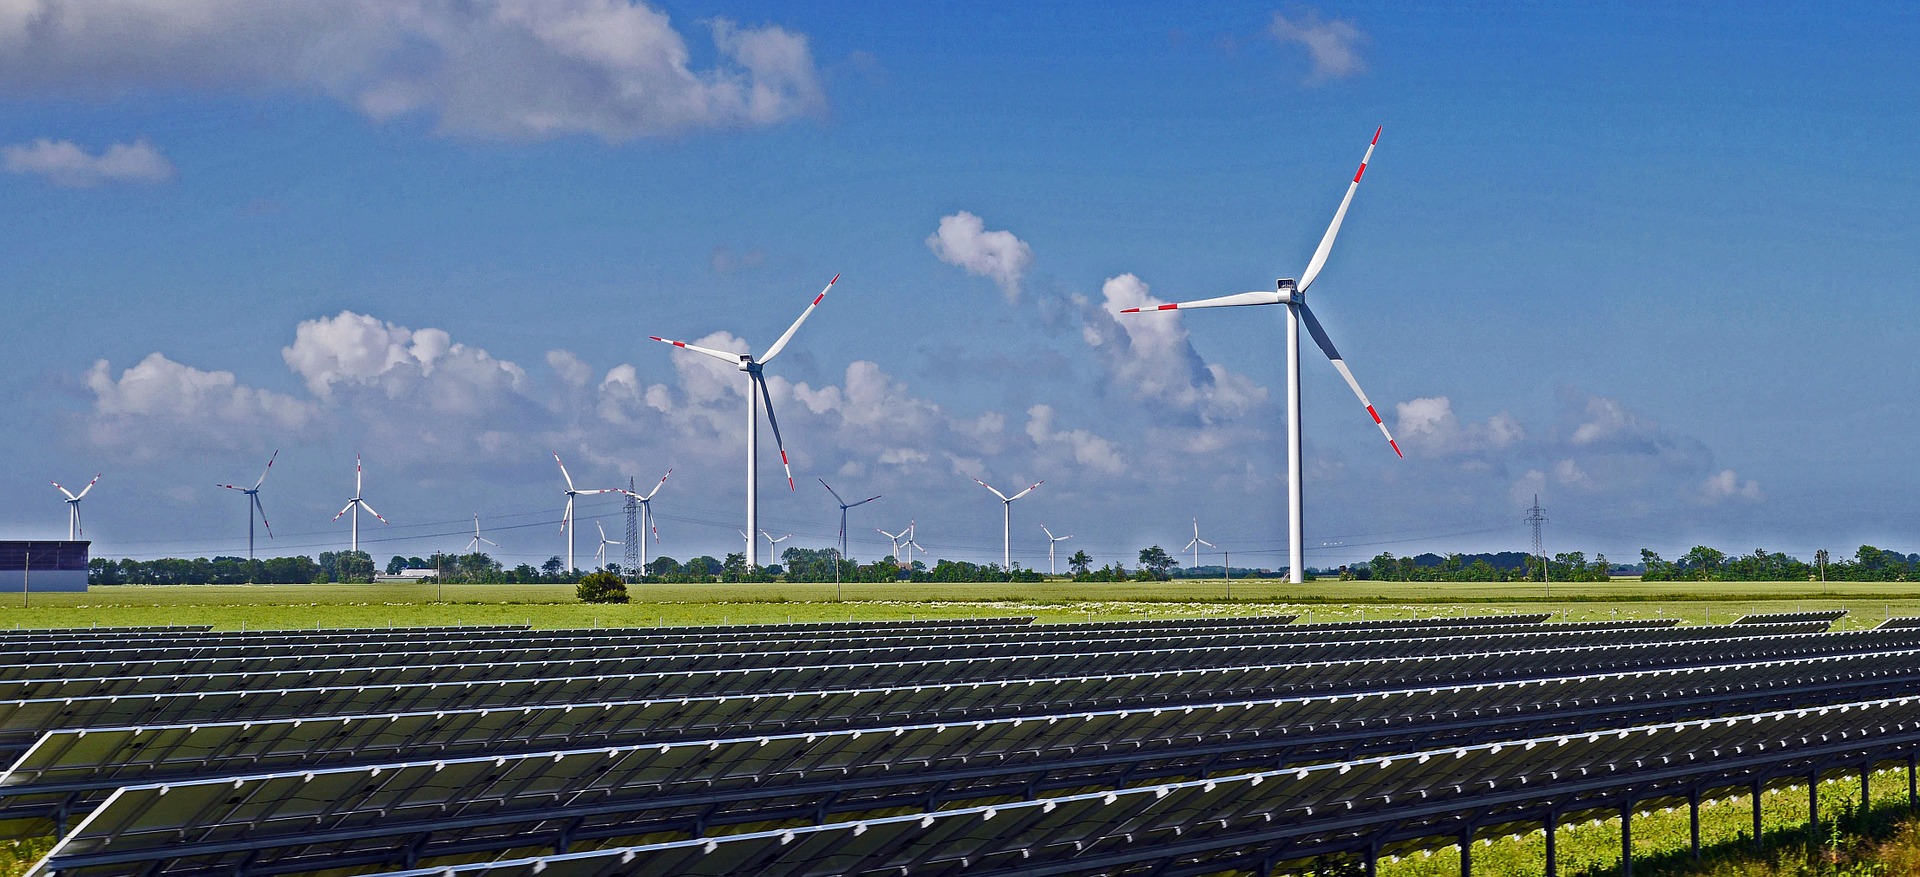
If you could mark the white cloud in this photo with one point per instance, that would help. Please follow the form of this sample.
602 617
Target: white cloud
1726 485
614 69
1332 45
1081 446
1569 473
1151 357
569 367
63 163
425 367
963 240
160 405
1428 425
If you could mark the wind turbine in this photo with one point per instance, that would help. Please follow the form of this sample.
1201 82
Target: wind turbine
1294 295
911 544
844 505
253 503
356 504
73 505
772 542
566 517
1051 541
895 538
646 518
757 394
600 556
473 547
1006 521
1196 543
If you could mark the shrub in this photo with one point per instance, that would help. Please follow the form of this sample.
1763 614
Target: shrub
601 587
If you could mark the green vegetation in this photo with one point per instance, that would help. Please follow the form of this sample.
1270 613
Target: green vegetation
601 587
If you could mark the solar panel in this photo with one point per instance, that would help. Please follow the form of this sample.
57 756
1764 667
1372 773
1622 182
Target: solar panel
1827 615
1898 622
1417 799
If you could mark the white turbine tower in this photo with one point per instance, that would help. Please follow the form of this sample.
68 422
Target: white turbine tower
600 555
253 503
566 517
844 505
1196 543
772 542
473 547
646 518
1052 540
756 395
356 504
73 506
1293 294
1006 521
912 545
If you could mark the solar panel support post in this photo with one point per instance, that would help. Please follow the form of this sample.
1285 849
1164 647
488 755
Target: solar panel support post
1371 864
1466 852
1693 820
1759 840
1913 782
1866 799
1553 858
1813 806
1626 838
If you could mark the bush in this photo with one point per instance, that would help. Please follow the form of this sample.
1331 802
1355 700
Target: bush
601 587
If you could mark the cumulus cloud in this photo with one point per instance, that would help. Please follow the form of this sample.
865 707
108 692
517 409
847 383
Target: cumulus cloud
1428 425
962 240
64 163
160 405
357 352
615 69
569 367
1333 45
1081 446
1726 485
1153 358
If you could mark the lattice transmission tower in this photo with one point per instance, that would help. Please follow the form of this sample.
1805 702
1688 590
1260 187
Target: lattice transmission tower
633 535
1535 517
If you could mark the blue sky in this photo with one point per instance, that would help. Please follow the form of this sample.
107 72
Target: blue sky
1655 265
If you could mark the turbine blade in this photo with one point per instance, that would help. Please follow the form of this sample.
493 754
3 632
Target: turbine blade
1208 544
1190 544
227 486
1339 216
263 472
1022 493
563 471
733 358
356 474
656 487
1226 301
836 493
344 509
89 487
566 515
788 336
263 515
370 511
68 493
603 531
1326 346
1003 497
865 501
767 397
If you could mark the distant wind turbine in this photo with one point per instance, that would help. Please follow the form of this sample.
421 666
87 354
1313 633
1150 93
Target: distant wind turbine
1051 541
756 395
912 546
844 505
772 542
1196 543
566 517
356 504
895 538
1006 521
73 505
253 503
473 547
600 555
646 517
1294 295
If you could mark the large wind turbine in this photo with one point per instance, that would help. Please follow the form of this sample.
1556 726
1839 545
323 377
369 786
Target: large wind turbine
844 505
1196 543
73 505
253 503
566 517
473 547
646 518
1006 521
1052 540
1293 294
356 504
600 556
757 394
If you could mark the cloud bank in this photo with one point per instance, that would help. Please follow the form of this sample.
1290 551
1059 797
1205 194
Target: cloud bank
63 163
1333 45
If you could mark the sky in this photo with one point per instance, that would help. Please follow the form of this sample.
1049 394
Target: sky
1651 264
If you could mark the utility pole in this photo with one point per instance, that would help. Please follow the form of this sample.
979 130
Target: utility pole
1228 555
1535 517
26 595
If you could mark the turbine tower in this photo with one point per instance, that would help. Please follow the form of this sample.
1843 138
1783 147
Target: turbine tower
73 505
1006 521
1052 540
356 504
844 505
473 547
912 546
566 517
600 556
1196 543
253 503
646 517
757 394
1294 295
772 542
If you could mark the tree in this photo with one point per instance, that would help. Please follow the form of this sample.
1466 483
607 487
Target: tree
1156 562
1079 563
552 567
1702 563
601 587
395 565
